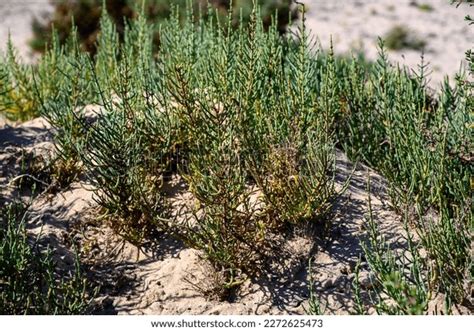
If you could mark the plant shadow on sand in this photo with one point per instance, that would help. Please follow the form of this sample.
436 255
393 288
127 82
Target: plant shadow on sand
334 252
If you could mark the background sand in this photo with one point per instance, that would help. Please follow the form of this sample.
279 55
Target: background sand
15 18
356 24
353 24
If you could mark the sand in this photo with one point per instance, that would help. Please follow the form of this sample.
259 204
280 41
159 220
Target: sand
15 20
355 25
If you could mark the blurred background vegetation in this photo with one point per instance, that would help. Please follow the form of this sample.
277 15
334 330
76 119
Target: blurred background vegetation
86 16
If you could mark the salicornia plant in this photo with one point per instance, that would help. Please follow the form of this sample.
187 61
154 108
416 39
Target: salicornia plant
29 280
249 121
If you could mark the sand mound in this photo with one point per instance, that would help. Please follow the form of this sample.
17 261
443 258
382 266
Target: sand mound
173 279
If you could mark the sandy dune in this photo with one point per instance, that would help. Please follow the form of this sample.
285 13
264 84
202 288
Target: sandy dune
173 279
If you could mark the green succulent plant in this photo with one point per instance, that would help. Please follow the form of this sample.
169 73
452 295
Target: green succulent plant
29 280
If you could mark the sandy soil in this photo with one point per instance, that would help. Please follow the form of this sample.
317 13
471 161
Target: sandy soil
15 19
173 279
353 24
